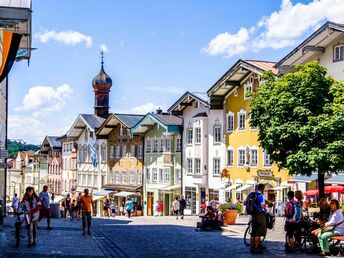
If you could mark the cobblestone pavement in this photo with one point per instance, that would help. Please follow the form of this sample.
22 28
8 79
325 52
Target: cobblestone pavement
139 237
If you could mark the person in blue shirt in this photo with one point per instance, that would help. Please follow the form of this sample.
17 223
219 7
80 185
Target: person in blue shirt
258 223
129 206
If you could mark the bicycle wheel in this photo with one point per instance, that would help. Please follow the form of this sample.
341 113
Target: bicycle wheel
247 235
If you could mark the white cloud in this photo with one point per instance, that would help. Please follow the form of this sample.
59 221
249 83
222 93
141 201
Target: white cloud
227 44
67 37
162 89
45 99
142 109
104 48
282 28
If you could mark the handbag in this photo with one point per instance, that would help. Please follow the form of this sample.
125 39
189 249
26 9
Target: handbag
329 228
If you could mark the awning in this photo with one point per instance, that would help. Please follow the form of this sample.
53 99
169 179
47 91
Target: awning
126 194
279 188
229 188
338 179
97 197
244 188
103 192
304 179
328 190
171 187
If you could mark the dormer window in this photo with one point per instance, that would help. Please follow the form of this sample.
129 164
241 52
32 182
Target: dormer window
338 53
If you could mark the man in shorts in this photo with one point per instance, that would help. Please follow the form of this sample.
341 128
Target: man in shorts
258 223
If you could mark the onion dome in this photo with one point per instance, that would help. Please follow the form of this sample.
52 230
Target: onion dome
102 80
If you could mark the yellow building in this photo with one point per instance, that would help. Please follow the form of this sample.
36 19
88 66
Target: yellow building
246 162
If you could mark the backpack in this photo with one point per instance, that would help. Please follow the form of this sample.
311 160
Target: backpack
295 213
252 203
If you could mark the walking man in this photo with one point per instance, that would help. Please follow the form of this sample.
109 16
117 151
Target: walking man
86 204
175 207
15 203
67 206
182 205
32 204
129 206
45 211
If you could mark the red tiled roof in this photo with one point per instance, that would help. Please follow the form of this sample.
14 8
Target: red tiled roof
264 65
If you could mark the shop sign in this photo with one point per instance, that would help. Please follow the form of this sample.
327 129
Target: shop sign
265 173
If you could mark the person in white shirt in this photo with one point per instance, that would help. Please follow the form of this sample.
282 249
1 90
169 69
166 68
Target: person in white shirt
175 206
15 203
334 227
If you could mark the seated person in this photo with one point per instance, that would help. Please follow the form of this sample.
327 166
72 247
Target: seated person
334 227
323 216
209 220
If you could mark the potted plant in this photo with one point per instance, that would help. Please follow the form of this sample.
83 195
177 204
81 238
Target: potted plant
229 212
139 210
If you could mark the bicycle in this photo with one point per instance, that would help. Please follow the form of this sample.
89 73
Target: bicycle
248 231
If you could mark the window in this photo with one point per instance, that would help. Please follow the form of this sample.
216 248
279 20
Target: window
178 175
338 53
198 135
242 120
189 134
155 145
178 144
84 154
124 177
254 157
139 151
241 158
111 177
154 174
217 133
117 177
139 177
161 175
267 160
167 175
131 178
248 87
112 151
147 175
230 157
168 145
213 194
124 151
216 166
197 166
103 152
149 146
80 153
118 151
162 145
189 166
230 121
132 151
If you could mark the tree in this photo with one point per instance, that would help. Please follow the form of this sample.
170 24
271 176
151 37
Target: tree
300 117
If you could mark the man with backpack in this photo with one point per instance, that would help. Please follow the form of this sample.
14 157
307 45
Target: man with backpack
255 206
293 215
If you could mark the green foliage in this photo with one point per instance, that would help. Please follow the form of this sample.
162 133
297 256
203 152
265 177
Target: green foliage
230 206
14 147
300 117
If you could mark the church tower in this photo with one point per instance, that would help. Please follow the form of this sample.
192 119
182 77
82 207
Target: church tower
101 86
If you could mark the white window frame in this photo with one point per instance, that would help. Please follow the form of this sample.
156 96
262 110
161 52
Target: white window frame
149 146
189 135
132 178
139 177
167 176
112 151
266 157
230 121
198 135
124 173
168 144
139 151
148 175
178 144
124 151
243 152
118 151
241 113
189 166
254 149
178 175
155 145
216 166
162 145
154 175
217 133
116 177
161 175
230 150
340 48
248 86
197 166
132 151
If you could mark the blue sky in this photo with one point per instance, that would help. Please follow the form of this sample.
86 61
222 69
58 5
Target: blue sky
154 52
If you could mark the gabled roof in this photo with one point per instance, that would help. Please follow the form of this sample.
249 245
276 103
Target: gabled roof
187 99
53 142
170 123
126 120
312 45
83 121
233 78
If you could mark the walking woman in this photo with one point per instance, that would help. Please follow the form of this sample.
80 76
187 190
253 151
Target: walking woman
334 226
32 204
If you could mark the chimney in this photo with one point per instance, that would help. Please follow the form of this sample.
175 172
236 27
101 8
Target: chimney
159 111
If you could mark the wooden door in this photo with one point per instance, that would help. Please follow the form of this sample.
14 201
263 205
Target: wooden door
150 205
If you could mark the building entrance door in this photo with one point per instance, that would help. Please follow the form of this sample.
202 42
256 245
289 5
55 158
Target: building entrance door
190 197
167 205
150 201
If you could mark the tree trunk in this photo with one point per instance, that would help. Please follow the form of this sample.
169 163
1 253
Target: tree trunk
321 185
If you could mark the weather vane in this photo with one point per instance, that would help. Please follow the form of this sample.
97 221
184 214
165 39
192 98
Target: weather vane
102 56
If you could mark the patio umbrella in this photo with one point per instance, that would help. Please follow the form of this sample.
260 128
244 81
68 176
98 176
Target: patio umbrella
312 192
334 189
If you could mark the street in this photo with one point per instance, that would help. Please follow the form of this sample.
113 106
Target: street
139 237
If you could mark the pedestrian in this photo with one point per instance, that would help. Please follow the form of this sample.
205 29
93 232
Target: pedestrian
161 208
15 203
113 209
258 220
86 208
31 204
45 211
293 216
128 206
67 206
156 208
78 207
106 208
52 198
203 206
175 207
182 205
